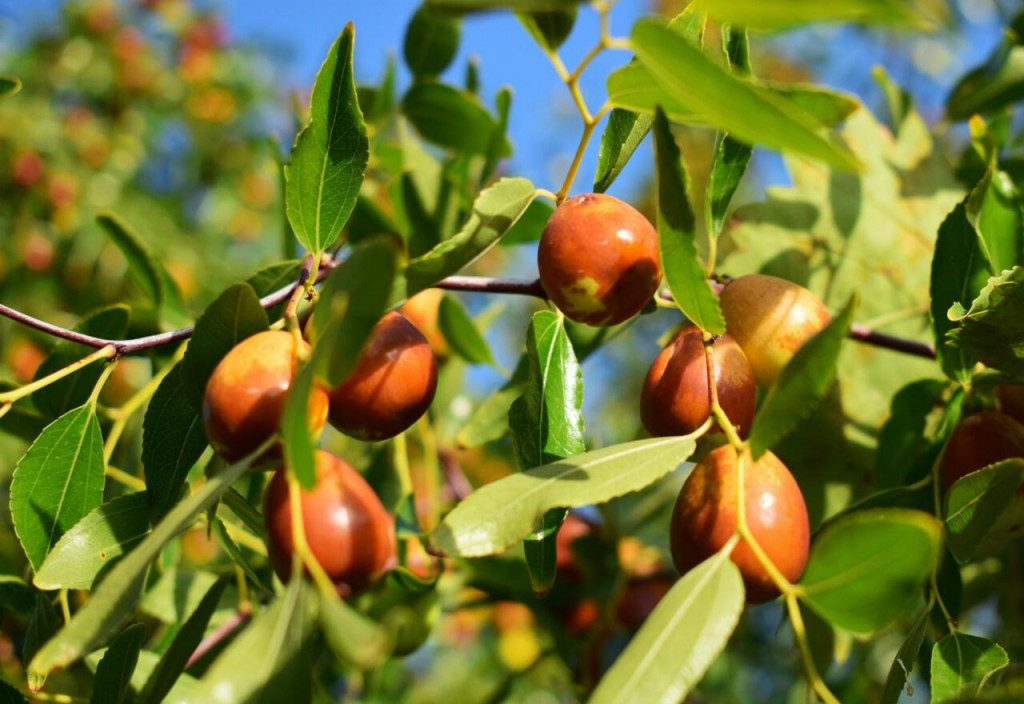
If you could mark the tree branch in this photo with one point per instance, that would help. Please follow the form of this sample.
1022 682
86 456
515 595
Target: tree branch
479 284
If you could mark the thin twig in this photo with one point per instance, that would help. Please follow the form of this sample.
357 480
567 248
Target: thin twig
236 621
479 284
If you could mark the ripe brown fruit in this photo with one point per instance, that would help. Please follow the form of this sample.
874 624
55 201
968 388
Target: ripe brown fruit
391 386
348 530
421 310
246 394
676 398
1011 401
771 319
705 518
598 259
978 441
640 597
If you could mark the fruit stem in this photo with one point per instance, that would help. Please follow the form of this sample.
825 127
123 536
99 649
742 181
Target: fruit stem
65 608
796 619
320 578
432 472
106 352
780 581
716 408
107 371
121 415
936 478
119 475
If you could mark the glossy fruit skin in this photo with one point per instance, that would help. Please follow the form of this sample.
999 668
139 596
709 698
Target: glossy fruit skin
392 385
676 397
421 310
705 514
978 441
770 318
246 394
348 530
1011 401
598 259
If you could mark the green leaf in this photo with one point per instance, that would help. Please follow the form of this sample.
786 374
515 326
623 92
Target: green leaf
622 135
899 672
114 672
299 448
325 170
869 568
549 28
902 443
451 118
94 543
783 14
963 663
8 694
431 41
547 425
186 640
997 83
235 315
680 639
982 509
141 261
15 594
57 482
499 514
173 440
461 332
802 385
355 639
547 419
71 392
271 278
993 330
696 82
495 211
111 602
994 209
176 594
269 661
959 271
490 419
518 5
423 233
42 624
9 86
497 148
634 88
530 226
354 298
677 236
235 553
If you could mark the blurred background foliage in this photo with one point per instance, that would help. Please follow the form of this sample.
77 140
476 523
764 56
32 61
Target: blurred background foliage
150 109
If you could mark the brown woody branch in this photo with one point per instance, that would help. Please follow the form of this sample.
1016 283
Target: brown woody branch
480 284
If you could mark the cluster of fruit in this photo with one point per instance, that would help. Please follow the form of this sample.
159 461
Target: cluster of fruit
599 264
348 530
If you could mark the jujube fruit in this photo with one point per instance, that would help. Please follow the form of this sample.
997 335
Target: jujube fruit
640 597
978 441
676 397
348 530
391 386
1011 400
705 518
421 310
246 394
598 259
770 318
